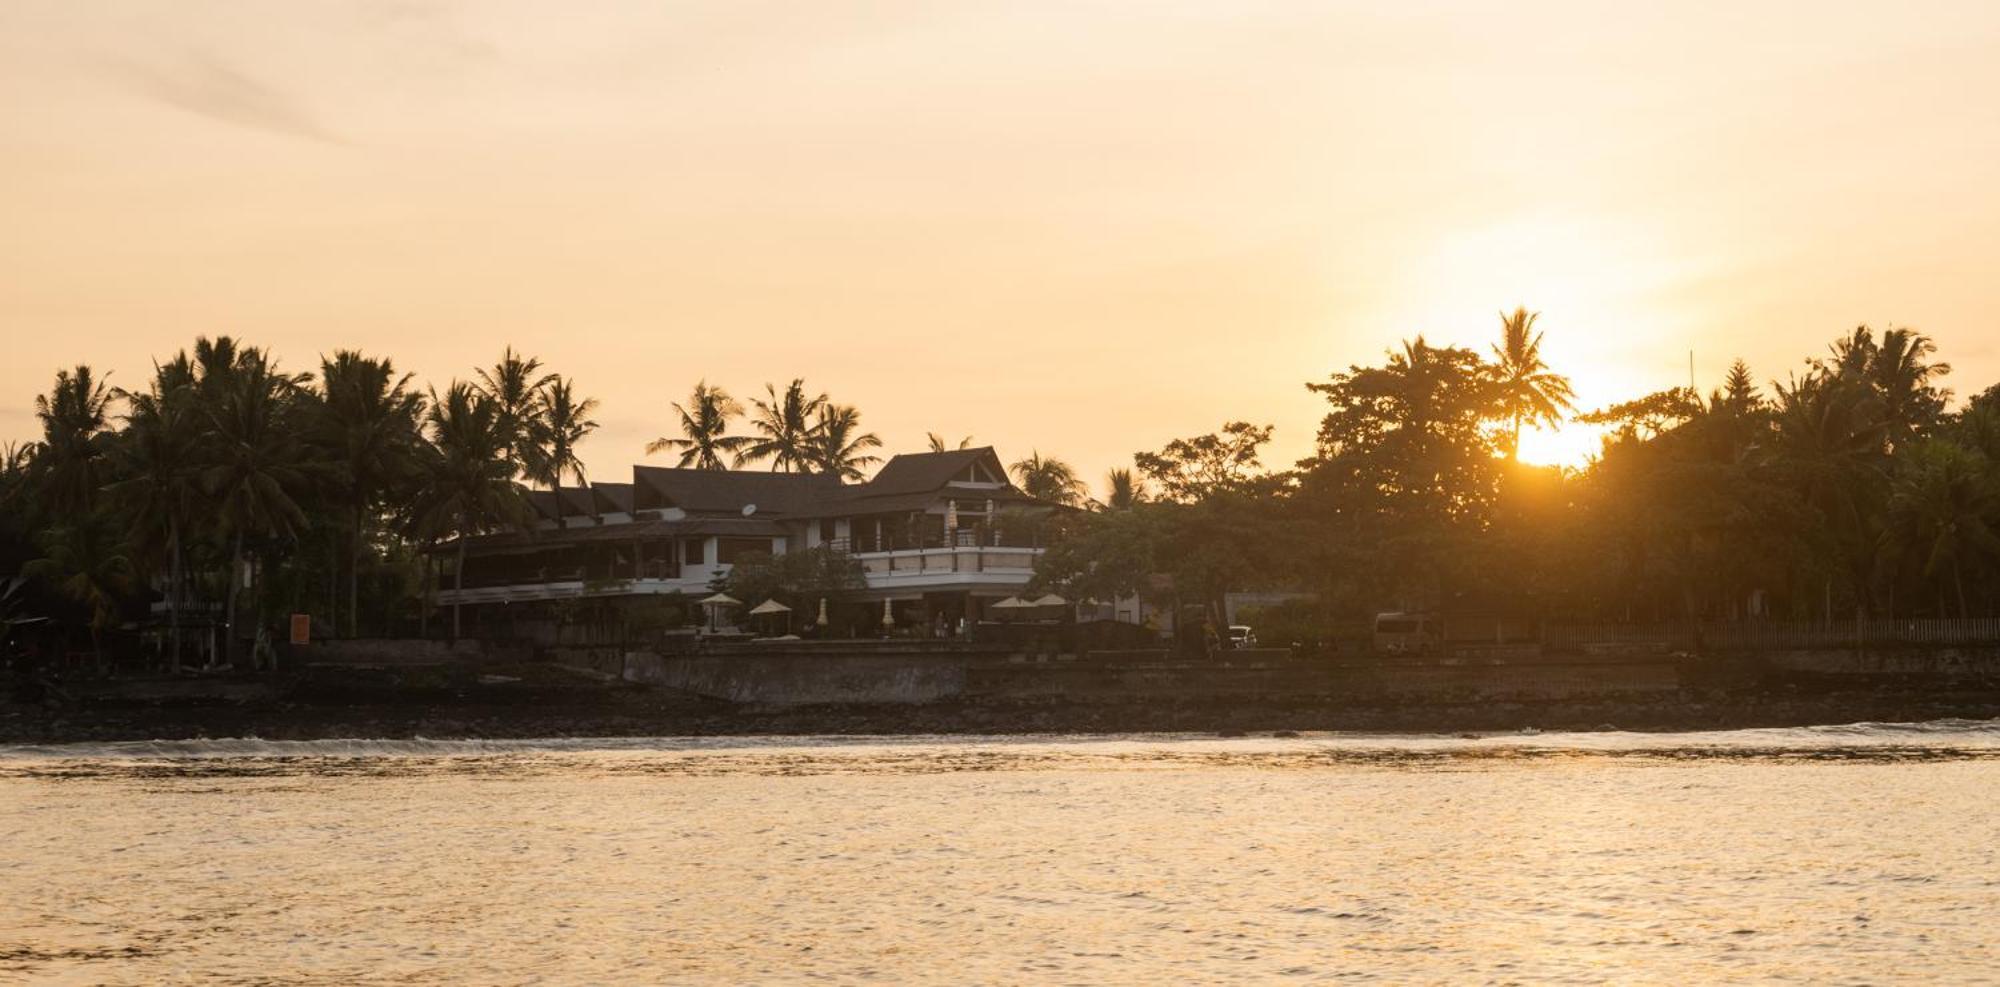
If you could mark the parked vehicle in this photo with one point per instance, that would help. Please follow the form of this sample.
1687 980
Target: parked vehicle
1400 633
1241 637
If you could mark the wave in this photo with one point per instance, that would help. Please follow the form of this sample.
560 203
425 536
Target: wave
1947 733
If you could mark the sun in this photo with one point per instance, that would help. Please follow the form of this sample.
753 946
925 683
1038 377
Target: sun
1571 446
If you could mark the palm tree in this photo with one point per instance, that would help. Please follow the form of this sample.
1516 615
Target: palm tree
514 388
157 458
468 489
938 443
1829 445
1902 371
553 436
1122 490
256 465
1047 478
75 416
366 424
86 561
704 422
786 427
839 446
1530 394
1944 508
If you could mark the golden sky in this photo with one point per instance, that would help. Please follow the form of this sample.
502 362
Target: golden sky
1083 228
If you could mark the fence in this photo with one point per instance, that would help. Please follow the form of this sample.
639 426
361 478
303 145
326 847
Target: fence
1770 635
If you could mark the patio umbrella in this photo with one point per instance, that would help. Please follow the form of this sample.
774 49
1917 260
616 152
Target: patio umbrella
1050 600
1010 606
888 618
769 607
951 515
717 602
822 612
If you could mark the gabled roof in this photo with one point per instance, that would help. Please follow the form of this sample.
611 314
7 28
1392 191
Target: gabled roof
613 498
924 472
727 491
576 502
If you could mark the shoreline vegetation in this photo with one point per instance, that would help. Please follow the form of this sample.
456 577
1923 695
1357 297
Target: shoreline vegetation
183 522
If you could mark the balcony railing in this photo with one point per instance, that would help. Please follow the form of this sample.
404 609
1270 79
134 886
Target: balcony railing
913 541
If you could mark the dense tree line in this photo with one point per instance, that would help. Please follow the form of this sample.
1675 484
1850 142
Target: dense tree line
1848 489
231 490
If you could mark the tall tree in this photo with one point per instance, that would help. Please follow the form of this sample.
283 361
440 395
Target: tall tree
1121 490
1944 511
562 425
784 425
1530 393
704 423
256 464
75 416
1048 478
937 443
366 425
514 385
839 446
157 460
468 488
1193 468
86 561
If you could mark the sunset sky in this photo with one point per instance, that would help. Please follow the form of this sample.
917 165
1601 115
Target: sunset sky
1082 228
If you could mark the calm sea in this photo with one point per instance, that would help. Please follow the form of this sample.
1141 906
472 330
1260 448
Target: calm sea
1861 854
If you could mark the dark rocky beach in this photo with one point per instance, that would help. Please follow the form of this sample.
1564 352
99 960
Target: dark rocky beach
535 701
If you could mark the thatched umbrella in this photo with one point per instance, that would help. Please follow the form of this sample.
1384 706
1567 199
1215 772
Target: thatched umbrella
717 602
769 608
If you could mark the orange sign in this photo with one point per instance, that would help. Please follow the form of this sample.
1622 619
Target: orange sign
302 627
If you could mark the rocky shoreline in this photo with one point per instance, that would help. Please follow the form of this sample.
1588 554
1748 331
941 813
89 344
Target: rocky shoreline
543 712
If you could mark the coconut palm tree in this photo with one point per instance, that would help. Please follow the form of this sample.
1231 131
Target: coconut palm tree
468 489
156 457
256 465
86 560
839 446
1944 509
1121 490
1049 478
1903 372
1829 447
1530 394
938 443
75 417
785 428
704 422
563 423
365 424
514 385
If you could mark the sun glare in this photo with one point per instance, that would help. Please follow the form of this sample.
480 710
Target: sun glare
1570 446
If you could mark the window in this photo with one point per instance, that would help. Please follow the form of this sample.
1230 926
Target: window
728 550
696 550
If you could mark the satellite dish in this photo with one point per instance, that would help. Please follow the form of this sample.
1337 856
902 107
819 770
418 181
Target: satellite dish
749 509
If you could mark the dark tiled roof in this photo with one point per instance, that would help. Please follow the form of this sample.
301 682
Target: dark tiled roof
613 498
727 491
922 472
576 502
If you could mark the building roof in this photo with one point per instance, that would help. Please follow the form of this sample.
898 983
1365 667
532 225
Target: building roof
922 472
729 491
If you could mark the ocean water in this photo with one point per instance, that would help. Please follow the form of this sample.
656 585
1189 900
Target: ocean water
1859 854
